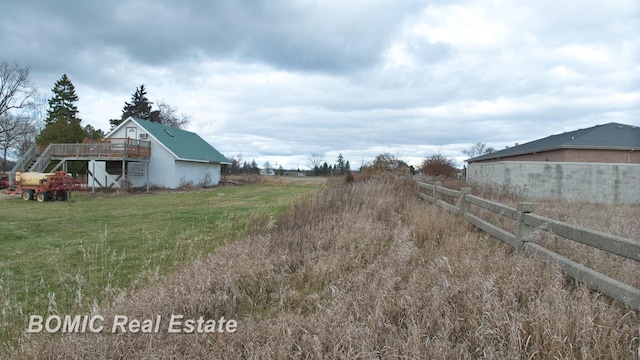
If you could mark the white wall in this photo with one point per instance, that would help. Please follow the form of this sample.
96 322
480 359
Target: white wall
161 166
194 173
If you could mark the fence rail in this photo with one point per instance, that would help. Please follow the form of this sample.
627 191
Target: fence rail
527 222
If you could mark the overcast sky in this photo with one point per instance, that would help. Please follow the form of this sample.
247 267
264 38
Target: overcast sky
279 80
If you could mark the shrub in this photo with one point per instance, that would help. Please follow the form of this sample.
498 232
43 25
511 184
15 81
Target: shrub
438 166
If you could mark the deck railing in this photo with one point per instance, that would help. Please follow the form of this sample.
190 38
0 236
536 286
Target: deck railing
122 148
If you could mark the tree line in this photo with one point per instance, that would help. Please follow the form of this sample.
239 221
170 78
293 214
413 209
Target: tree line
23 122
21 109
320 167
435 165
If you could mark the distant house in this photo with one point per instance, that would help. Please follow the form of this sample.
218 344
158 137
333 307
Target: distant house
600 163
177 158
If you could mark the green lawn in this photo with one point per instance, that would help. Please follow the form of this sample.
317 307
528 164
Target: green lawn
64 257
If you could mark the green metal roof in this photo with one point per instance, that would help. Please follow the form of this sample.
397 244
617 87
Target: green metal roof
184 144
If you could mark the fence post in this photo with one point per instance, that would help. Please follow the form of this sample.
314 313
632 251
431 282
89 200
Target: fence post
523 231
436 195
462 202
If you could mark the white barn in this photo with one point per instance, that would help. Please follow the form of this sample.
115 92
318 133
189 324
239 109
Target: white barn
177 158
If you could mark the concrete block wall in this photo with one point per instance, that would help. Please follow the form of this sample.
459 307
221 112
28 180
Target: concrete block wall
578 155
594 182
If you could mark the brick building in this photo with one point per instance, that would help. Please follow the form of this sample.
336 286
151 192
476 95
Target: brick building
608 143
597 164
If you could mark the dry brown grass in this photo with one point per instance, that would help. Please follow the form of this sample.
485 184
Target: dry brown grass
620 220
366 271
617 219
275 180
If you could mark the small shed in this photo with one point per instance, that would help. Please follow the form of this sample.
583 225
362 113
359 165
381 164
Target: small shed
178 158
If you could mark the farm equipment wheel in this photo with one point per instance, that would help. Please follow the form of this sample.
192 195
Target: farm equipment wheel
61 195
27 195
42 197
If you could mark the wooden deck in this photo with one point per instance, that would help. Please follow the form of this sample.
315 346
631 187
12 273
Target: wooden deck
38 158
111 148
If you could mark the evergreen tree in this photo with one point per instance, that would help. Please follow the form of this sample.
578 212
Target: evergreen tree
139 107
254 167
93 133
62 104
340 164
62 122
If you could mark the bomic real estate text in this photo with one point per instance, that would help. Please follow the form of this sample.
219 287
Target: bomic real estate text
176 324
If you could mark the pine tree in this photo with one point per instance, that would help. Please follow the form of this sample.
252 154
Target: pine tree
340 164
254 167
139 107
62 104
62 122
93 133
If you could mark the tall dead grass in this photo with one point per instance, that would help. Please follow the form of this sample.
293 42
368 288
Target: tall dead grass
617 219
365 271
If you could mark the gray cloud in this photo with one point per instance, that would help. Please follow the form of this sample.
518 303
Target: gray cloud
306 35
282 79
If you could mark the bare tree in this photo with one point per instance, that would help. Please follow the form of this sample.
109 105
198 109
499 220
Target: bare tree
16 88
18 104
267 168
477 150
315 161
166 115
16 134
234 167
388 162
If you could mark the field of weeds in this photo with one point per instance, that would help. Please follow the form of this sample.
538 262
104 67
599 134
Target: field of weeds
363 271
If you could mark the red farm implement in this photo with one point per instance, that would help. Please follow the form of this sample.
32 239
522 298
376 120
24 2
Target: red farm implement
44 186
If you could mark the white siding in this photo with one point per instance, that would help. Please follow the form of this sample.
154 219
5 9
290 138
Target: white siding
121 133
100 176
161 166
194 173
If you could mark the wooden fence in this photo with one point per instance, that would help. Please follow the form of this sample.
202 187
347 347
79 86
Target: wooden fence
527 222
